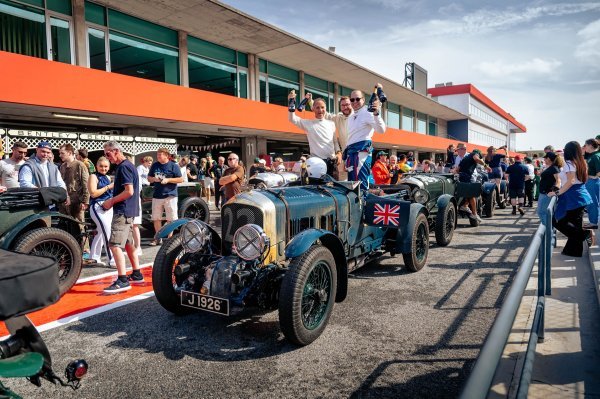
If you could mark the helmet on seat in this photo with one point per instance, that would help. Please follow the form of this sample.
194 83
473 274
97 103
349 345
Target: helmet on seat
316 167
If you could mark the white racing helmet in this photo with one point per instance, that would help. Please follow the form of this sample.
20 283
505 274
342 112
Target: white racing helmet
316 167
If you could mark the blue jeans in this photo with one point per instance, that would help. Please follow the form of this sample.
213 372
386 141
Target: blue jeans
543 202
593 187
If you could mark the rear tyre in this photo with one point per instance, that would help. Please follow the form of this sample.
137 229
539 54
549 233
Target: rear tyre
163 278
307 295
417 257
194 208
58 244
445 223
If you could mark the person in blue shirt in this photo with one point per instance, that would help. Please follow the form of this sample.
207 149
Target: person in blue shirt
125 206
164 174
516 184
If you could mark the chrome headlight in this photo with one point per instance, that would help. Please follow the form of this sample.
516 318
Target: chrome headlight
195 235
250 242
421 196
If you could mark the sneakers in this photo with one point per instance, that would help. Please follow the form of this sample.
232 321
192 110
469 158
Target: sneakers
476 217
118 286
156 242
589 226
521 211
465 208
591 239
98 263
135 278
138 251
514 211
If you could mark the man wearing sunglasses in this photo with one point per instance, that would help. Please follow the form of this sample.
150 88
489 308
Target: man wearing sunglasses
361 126
231 182
9 168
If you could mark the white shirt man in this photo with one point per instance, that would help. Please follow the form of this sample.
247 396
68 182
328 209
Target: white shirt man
320 132
9 168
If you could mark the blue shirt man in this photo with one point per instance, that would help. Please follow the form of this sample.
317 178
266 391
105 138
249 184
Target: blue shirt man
516 184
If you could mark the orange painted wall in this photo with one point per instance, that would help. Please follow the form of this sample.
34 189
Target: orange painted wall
38 82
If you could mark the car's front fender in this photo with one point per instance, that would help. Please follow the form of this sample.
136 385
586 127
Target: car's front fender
37 220
404 234
488 188
304 240
443 201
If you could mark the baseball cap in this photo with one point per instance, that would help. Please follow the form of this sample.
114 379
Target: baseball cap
44 144
380 153
551 156
263 161
518 157
257 159
476 151
208 154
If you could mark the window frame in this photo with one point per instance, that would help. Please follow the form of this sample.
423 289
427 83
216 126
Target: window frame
69 19
104 29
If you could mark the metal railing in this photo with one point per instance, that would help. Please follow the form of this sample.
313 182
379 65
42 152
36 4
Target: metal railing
481 378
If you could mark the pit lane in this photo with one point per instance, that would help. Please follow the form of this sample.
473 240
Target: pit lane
398 334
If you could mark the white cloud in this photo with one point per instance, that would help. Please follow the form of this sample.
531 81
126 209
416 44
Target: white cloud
394 4
588 51
521 71
487 20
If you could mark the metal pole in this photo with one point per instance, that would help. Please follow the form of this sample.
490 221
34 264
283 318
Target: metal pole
549 237
541 268
525 379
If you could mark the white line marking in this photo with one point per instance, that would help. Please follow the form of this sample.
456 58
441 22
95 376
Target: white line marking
92 312
107 274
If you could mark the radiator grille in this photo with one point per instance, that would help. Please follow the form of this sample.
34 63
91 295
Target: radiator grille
235 216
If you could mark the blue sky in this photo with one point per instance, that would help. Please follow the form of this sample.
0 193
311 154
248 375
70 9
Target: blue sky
538 60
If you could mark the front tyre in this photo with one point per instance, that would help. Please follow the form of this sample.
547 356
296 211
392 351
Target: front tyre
417 257
163 278
490 204
58 244
194 208
307 295
445 221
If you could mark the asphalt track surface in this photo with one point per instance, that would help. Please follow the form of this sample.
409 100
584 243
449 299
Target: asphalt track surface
398 334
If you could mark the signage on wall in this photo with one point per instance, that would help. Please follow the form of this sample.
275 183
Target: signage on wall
104 137
159 140
42 134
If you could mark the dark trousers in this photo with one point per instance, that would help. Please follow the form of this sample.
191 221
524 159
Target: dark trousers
219 196
571 226
529 191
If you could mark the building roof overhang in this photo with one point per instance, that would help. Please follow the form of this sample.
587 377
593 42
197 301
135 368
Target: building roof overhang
224 25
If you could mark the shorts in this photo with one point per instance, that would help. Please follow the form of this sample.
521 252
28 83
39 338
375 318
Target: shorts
121 232
209 182
496 173
167 205
516 193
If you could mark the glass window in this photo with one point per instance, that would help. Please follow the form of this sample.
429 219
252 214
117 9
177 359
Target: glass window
95 13
393 119
279 90
262 65
61 6
407 119
242 59
319 94
60 36
22 30
283 72
136 57
432 126
37 3
421 123
344 91
243 79
263 88
316 83
212 76
97 49
210 50
139 27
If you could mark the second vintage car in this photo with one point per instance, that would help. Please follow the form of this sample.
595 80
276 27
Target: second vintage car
288 248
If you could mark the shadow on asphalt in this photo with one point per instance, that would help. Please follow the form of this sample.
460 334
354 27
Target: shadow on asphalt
146 325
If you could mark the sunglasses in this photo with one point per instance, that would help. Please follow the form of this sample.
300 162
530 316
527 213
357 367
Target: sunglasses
232 159
355 99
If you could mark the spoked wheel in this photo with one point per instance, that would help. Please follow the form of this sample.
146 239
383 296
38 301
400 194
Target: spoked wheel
58 244
417 258
307 295
445 222
194 208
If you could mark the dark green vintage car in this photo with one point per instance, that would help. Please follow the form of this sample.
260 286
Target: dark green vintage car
29 227
190 203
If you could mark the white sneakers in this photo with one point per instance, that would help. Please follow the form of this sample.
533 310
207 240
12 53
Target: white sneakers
465 208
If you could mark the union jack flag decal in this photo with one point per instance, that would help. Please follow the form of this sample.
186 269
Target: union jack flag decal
386 214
